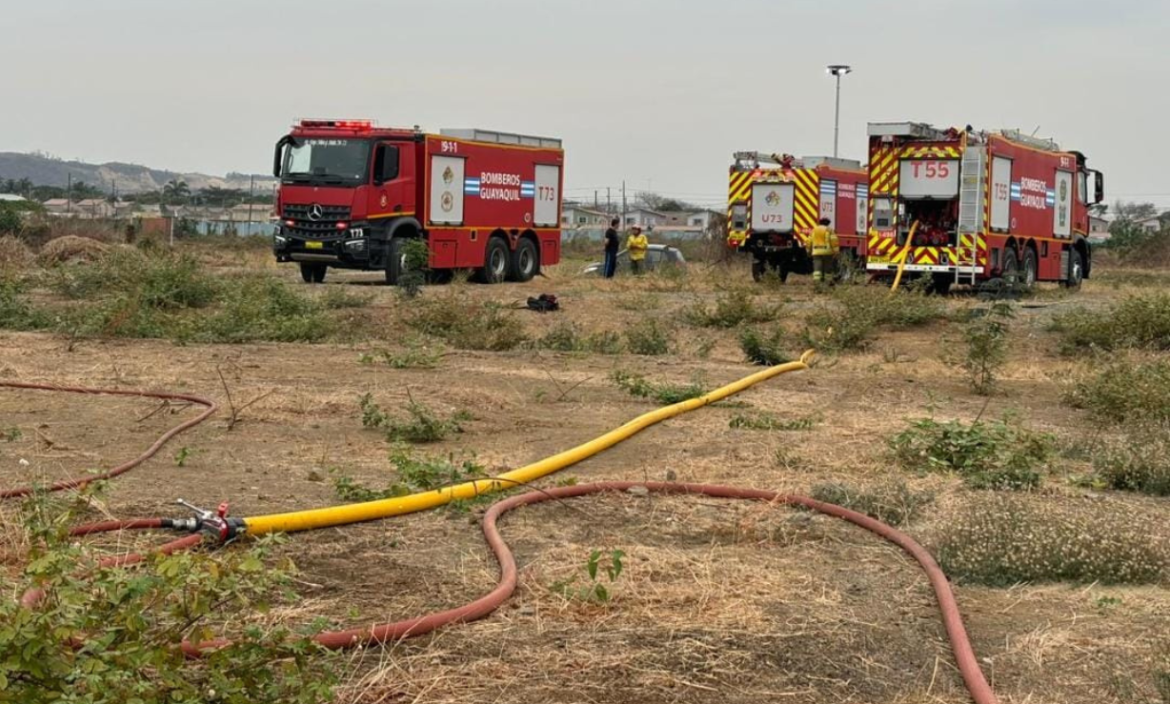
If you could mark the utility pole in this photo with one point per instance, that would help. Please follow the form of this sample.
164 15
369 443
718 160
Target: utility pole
69 192
608 202
837 70
251 197
623 204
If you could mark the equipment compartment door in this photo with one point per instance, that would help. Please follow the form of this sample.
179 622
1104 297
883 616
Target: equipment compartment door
447 189
1001 194
772 207
862 208
1062 218
829 202
548 196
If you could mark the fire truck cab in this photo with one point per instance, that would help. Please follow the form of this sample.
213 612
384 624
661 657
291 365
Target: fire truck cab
352 195
774 202
961 206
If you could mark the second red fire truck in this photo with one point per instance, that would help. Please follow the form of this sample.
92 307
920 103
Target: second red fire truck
774 202
352 195
980 205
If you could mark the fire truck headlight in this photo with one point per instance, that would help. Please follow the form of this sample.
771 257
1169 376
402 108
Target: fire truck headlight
355 245
280 240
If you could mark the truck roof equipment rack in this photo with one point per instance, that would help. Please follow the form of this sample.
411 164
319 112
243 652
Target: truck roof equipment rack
523 140
754 160
1030 141
913 130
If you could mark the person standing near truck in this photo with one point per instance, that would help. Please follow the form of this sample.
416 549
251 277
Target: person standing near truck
822 244
637 244
611 249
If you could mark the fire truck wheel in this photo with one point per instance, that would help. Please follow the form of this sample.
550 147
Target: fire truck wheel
395 261
1011 268
1028 275
759 268
782 270
495 262
525 261
1076 270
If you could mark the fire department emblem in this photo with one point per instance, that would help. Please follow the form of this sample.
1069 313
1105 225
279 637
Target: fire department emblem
527 218
773 198
384 200
447 202
448 175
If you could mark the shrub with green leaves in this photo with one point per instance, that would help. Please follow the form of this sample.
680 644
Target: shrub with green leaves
648 337
765 349
1138 322
856 313
416 355
665 394
416 261
731 309
415 474
588 587
421 425
16 313
568 337
130 623
998 454
986 336
895 503
1008 541
1124 391
486 326
262 308
165 281
340 297
1139 462
767 421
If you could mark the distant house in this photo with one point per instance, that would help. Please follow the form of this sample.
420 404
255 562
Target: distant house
57 206
1150 224
1098 229
644 218
580 216
702 219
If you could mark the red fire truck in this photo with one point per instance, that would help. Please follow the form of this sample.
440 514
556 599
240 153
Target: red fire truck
983 206
351 194
774 202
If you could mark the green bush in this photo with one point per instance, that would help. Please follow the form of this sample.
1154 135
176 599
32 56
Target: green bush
894 504
339 297
421 425
767 421
1125 391
731 309
487 326
664 394
648 337
998 454
766 349
1008 541
16 313
850 322
132 621
416 255
415 474
1141 321
416 355
986 336
1140 462
262 308
567 337
164 281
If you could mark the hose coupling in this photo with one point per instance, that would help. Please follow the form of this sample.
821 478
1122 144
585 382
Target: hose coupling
214 524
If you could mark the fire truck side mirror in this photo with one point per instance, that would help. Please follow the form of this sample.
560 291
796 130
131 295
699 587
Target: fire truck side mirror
1099 188
279 156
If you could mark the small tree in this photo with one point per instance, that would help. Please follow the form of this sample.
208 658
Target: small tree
987 343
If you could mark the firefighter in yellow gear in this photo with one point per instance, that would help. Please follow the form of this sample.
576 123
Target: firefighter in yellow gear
823 246
637 244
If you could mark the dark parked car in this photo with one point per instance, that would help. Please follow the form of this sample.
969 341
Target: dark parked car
659 255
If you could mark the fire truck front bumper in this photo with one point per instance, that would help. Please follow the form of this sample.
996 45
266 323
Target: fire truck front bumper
353 250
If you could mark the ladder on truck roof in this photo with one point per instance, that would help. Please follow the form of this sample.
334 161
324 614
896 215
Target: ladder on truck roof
972 185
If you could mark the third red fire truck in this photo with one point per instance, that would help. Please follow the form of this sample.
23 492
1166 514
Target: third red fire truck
774 202
982 206
352 194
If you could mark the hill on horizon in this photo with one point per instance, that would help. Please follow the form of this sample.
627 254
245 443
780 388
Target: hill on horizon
44 170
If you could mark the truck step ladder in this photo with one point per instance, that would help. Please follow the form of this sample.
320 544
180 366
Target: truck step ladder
972 185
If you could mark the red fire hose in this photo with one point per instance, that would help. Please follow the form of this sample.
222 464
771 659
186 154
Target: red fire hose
209 410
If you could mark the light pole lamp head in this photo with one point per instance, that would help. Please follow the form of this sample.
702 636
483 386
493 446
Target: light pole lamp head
838 70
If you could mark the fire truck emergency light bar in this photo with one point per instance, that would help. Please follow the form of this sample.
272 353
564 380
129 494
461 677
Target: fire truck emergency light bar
360 125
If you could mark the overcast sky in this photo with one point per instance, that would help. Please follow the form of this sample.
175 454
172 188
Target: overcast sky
656 92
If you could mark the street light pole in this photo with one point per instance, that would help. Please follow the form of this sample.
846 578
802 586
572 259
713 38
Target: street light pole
837 70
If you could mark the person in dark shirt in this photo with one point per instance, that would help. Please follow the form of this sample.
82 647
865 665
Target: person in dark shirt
611 249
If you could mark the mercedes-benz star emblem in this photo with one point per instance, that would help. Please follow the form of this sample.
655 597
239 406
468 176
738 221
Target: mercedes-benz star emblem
316 212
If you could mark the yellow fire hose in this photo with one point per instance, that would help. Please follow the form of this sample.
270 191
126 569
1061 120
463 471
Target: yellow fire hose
903 256
374 510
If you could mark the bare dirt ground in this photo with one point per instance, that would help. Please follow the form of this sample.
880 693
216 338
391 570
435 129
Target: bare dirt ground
719 602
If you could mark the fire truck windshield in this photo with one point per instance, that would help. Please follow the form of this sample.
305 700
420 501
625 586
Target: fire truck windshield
327 161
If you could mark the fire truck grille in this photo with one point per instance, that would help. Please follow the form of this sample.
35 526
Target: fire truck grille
318 229
329 213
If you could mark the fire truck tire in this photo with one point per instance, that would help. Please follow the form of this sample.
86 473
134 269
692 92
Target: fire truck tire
525 261
313 273
495 262
1011 267
395 261
1028 275
1076 270
759 268
783 269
